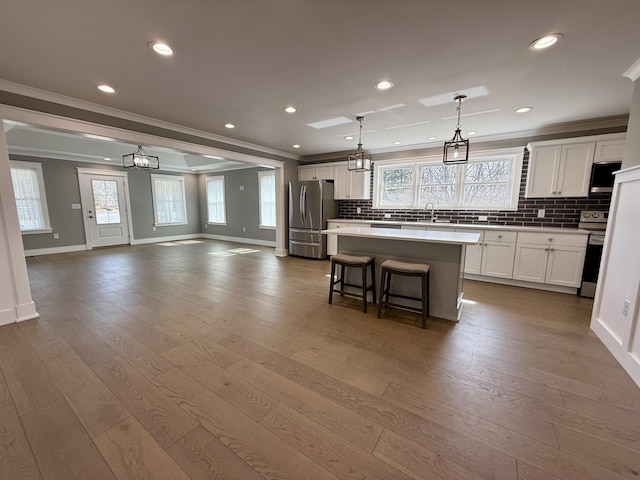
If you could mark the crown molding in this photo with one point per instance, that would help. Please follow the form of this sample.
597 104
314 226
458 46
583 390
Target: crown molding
57 98
633 72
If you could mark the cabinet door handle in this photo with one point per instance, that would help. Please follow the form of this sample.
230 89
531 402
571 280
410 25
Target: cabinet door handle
551 239
499 236
551 249
559 193
546 249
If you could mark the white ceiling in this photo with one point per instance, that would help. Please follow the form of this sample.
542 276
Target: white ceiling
244 61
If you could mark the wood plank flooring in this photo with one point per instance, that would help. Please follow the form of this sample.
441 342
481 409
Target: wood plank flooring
168 362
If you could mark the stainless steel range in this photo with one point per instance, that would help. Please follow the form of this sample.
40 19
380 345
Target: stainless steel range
595 221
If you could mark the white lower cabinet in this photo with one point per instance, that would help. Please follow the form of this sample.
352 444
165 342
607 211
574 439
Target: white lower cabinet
498 251
332 240
473 257
551 259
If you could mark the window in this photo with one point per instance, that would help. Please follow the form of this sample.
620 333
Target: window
215 200
267 198
169 201
490 181
31 201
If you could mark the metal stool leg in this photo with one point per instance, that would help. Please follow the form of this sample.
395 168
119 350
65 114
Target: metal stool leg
373 281
425 298
332 281
364 288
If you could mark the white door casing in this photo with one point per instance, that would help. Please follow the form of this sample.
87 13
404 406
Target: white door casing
105 206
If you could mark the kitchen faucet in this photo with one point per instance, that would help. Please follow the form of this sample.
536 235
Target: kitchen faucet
433 218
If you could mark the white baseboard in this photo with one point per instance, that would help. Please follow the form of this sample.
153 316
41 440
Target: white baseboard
252 241
49 251
625 358
282 252
7 316
172 238
18 314
520 283
26 311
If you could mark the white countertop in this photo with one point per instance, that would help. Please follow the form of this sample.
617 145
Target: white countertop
426 236
471 226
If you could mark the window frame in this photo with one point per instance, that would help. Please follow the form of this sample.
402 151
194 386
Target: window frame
266 173
514 155
37 167
209 179
177 178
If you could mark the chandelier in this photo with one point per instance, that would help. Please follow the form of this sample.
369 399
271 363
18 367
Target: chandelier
456 150
140 159
359 161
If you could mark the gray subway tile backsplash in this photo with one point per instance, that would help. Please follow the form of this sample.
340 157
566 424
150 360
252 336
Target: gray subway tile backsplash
559 212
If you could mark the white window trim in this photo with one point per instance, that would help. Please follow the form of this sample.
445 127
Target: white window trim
43 195
514 154
155 176
264 173
224 195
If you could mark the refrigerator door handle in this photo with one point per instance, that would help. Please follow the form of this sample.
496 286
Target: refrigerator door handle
303 205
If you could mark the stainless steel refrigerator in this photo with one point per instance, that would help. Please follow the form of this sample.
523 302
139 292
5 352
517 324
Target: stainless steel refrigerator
311 204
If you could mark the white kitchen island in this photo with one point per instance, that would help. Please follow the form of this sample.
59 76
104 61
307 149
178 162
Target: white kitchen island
444 252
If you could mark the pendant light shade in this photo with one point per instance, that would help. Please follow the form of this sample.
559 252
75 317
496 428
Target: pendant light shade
140 159
456 150
359 161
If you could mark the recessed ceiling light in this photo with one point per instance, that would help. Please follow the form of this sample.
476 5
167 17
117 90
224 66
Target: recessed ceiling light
214 157
348 137
161 48
295 145
106 88
193 169
290 109
472 132
545 42
431 138
397 142
107 159
524 109
229 125
384 85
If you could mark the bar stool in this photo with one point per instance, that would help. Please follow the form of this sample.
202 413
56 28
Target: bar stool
352 261
393 267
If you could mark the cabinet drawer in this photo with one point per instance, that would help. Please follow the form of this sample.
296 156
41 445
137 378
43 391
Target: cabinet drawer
500 236
566 239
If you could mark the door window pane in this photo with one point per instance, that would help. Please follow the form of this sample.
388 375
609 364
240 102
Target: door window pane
105 200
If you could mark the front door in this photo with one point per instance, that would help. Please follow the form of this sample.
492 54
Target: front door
104 205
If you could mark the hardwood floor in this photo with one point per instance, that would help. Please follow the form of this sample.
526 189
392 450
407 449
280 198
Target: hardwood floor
200 361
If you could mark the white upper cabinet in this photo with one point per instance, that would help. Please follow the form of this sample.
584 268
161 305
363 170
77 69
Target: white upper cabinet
560 171
347 185
562 168
315 172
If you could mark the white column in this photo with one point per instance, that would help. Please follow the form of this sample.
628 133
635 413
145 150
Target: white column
15 293
281 248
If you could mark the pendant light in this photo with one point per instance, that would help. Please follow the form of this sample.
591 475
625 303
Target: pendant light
140 159
456 150
359 161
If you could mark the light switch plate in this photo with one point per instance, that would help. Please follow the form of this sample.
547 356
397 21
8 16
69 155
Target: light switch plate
541 213
358 210
76 206
387 215
241 187
483 218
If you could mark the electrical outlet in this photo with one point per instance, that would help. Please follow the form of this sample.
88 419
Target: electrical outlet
625 308
387 215
483 218
153 228
205 225
358 210
244 229
541 213
56 236
241 187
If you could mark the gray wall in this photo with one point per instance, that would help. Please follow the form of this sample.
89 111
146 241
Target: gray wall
62 189
242 206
